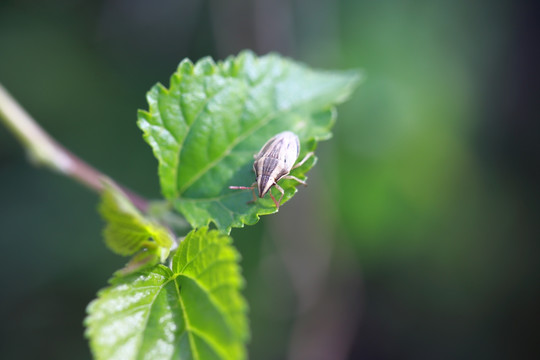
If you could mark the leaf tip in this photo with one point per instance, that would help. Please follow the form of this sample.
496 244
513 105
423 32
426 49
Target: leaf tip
358 76
205 66
185 67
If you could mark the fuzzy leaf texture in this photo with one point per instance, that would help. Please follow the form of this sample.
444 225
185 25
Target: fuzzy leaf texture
127 230
193 310
205 128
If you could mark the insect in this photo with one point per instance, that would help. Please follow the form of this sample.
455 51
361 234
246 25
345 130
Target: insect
274 162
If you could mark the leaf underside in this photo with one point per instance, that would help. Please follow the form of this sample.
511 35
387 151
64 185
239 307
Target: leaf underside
205 129
194 311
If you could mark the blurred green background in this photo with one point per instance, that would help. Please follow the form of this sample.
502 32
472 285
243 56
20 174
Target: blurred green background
418 236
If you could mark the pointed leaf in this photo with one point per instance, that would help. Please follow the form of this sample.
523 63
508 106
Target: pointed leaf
194 311
205 129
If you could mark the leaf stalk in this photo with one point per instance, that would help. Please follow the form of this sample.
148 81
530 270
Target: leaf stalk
42 149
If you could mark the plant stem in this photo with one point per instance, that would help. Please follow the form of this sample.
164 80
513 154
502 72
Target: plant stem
42 149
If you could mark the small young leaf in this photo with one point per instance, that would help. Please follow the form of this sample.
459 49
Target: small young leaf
205 129
194 311
128 231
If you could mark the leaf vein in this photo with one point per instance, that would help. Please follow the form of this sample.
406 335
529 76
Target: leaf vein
186 320
199 252
215 263
141 339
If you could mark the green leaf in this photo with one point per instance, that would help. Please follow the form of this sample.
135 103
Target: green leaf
205 129
194 311
128 231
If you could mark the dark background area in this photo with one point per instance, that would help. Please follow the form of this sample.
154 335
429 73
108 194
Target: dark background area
418 237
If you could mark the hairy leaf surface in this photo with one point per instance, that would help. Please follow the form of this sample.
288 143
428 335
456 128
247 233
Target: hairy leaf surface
205 128
194 311
128 231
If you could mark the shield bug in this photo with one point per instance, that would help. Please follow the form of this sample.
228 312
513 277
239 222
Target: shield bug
274 162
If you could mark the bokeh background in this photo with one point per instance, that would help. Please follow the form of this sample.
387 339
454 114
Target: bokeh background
418 237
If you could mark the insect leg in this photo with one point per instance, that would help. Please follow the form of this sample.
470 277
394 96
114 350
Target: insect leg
295 178
253 192
308 155
281 197
275 201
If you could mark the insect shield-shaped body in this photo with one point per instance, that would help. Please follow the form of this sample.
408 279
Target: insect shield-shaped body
274 162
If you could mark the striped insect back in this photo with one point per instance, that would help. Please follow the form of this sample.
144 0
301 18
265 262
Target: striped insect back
274 162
